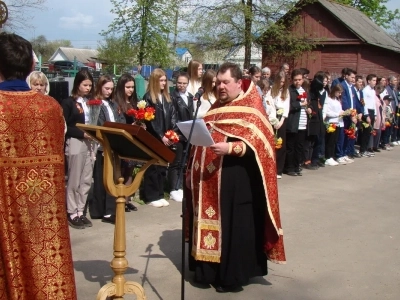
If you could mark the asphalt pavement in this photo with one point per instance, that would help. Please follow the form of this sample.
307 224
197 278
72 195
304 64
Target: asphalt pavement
341 230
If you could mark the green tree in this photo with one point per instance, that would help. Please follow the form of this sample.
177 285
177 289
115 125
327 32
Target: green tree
223 25
376 10
46 48
20 13
118 51
147 24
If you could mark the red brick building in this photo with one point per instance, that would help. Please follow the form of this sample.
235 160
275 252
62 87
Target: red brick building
346 38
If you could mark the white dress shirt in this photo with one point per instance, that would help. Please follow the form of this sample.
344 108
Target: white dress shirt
369 99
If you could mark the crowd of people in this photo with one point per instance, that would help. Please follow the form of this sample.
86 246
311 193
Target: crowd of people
318 123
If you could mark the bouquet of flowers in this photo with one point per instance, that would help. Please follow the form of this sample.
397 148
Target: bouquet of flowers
365 124
279 112
330 127
351 132
142 113
172 136
278 142
349 112
94 110
388 124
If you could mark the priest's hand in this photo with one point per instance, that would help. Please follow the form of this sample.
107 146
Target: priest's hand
220 148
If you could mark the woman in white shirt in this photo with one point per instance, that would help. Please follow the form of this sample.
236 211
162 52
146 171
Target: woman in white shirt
195 72
332 113
208 98
280 98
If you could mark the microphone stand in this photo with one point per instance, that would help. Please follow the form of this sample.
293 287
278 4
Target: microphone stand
180 172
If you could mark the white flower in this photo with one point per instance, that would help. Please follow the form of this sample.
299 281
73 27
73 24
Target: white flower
141 104
274 121
279 111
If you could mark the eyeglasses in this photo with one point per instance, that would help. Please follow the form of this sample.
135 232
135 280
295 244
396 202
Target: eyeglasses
182 83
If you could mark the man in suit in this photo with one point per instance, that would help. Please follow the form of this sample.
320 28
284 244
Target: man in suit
183 103
348 102
340 80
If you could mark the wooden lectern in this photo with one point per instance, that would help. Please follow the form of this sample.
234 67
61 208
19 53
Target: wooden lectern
134 143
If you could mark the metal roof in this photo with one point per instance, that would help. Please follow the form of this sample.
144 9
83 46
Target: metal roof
181 51
82 55
361 25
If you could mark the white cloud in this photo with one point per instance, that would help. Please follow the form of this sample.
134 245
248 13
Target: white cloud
78 21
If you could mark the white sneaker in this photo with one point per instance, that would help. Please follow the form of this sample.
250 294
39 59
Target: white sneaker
331 162
396 143
156 203
341 161
279 176
348 159
176 196
164 202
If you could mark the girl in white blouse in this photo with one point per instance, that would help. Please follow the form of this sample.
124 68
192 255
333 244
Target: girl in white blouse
195 72
280 99
332 113
208 98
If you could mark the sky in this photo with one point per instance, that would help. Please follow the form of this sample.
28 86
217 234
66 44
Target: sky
81 21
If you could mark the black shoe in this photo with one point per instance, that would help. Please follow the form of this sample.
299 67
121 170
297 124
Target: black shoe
110 219
86 222
376 150
310 167
299 173
75 222
370 150
131 206
292 173
321 164
356 155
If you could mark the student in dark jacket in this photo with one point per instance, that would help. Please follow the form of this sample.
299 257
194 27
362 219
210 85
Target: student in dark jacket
78 144
182 101
315 123
296 127
157 96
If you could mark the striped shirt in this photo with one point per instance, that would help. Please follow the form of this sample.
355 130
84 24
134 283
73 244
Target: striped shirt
303 114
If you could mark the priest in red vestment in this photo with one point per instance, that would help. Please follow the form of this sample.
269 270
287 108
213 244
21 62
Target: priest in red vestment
35 248
235 219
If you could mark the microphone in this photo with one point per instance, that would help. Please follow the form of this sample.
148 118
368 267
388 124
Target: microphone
198 95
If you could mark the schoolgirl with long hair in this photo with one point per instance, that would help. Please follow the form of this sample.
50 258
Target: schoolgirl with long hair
195 72
332 113
77 149
208 98
280 99
158 97
125 95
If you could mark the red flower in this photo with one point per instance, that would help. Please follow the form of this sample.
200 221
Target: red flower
302 96
172 136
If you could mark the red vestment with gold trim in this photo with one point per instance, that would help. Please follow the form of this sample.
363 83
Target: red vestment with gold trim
243 119
35 249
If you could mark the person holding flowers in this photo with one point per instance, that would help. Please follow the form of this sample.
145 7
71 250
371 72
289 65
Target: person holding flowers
387 123
332 114
157 97
379 124
296 127
183 103
369 117
279 98
78 148
102 204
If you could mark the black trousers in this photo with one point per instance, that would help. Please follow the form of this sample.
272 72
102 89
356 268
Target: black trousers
153 184
173 170
366 132
281 153
294 149
330 143
309 143
101 203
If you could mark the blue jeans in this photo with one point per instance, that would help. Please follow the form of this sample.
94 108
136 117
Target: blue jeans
340 143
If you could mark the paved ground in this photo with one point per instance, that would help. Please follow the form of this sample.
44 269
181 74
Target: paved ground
341 228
